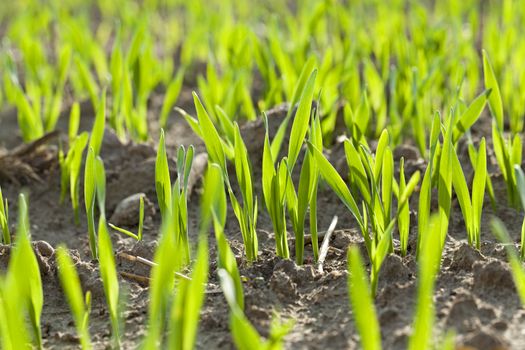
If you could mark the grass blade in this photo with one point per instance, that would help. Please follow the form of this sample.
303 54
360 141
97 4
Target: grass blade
362 302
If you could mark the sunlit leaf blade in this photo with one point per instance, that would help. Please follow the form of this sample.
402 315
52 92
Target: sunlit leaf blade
335 181
97 134
162 178
108 273
362 303
429 262
496 106
301 120
469 117
24 263
185 311
71 285
89 199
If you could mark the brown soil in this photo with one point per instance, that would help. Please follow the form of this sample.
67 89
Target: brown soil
475 294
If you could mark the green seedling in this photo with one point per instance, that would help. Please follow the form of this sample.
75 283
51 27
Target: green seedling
372 179
334 180
220 149
162 178
21 293
108 272
172 93
173 201
445 177
183 319
277 183
508 151
74 122
274 183
116 68
244 334
214 202
247 213
439 170
94 193
21 297
162 284
185 310
357 122
306 196
307 77
425 191
25 264
362 302
87 80
520 180
495 103
180 201
89 199
55 101
470 115
70 172
518 273
508 154
79 304
429 263
404 193
4 219
28 108
471 207
137 236
65 160
97 133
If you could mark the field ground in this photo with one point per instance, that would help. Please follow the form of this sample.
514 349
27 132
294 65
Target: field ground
475 293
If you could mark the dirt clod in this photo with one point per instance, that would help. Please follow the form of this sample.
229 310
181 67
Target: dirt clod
495 276
464 257
393 270
283 286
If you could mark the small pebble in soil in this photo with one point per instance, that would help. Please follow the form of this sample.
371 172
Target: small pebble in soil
127 211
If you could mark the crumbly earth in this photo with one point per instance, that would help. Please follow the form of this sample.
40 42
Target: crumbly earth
475 294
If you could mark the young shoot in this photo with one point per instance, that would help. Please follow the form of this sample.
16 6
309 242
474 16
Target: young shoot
508 150
429 263
108 273
4 219
26 265
362 302
245 208
173 200
79 304
70 167
471 207
137 236
244 334
520 180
